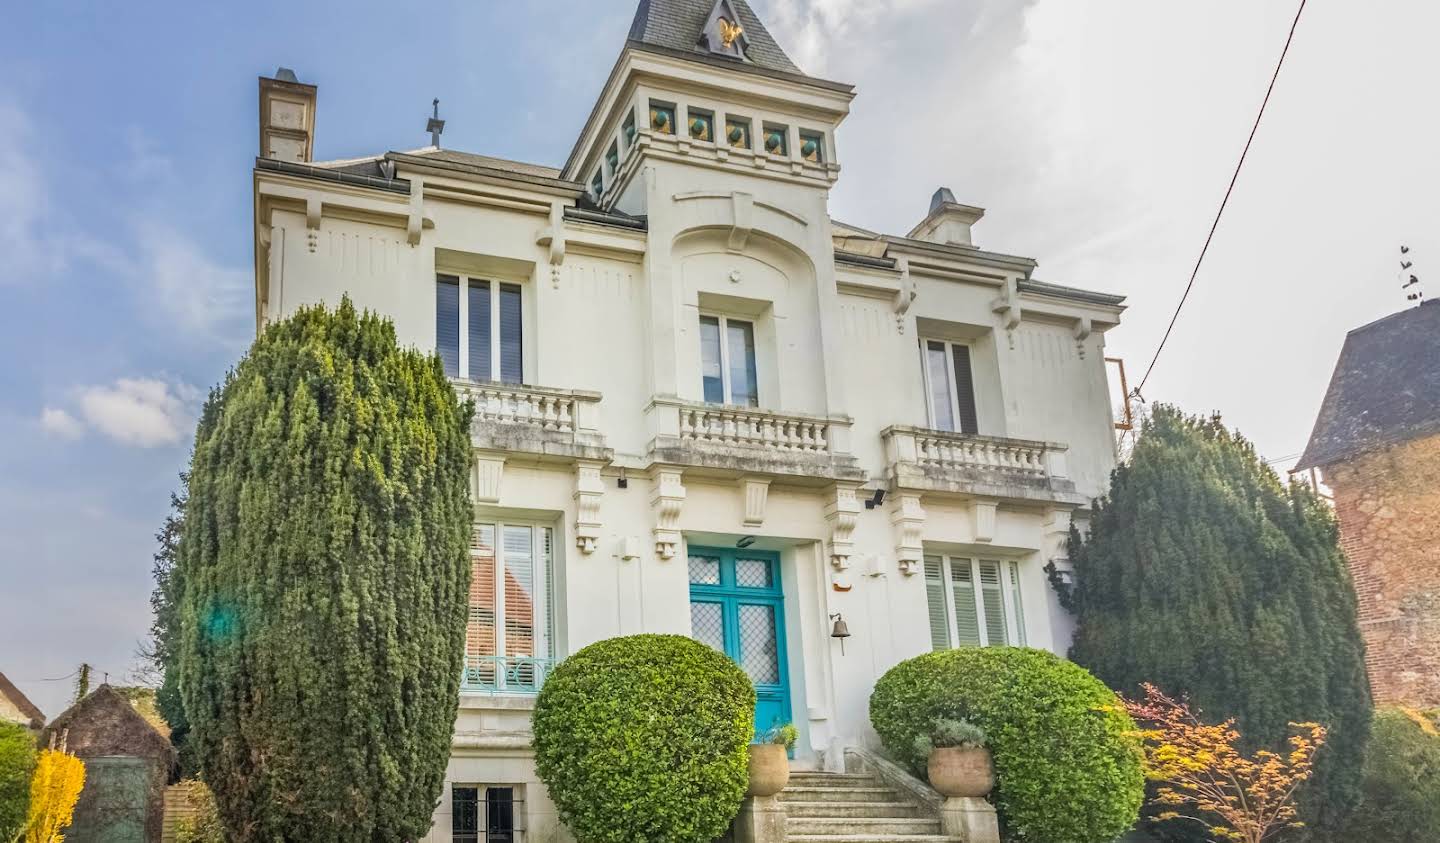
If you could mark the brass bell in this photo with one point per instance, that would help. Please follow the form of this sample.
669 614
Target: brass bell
841 630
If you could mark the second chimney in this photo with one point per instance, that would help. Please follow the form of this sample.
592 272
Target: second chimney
287 117
948 222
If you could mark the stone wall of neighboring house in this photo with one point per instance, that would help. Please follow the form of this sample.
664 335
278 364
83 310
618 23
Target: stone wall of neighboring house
1388 502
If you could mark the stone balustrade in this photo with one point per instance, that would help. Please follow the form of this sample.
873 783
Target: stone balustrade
750 440
938 460
736 426
532 418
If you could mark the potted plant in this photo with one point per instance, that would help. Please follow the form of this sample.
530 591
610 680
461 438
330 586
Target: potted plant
959 762
769 760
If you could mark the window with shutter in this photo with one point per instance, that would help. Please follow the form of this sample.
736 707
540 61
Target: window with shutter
447 323
510 636
949 386
935 601
479 329
980 607
511 370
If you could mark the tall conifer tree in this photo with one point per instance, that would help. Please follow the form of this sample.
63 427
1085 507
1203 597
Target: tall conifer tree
325 568
1205 575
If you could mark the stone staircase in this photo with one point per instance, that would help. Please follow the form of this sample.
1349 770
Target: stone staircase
854 808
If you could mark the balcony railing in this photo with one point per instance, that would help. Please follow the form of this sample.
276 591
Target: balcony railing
750 440
521 417
505 674
945 461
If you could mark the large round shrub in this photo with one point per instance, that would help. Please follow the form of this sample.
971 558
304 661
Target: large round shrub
1401 784
642 739
1067 759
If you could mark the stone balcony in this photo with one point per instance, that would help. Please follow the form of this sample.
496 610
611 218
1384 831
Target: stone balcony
547 422
990 466
747 440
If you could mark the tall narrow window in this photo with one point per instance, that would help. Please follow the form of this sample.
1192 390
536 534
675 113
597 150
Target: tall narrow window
486 814
509 640
478 329
981 606
949 386
447 323
727 361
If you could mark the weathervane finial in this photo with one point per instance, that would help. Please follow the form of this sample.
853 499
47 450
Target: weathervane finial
436 125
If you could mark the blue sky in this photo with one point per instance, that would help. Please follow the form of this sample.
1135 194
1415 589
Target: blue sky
1099 137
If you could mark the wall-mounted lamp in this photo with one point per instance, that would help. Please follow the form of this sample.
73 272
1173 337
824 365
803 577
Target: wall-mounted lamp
841 630
875 499
745 541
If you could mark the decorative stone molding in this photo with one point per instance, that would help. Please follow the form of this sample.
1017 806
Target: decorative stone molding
1008 306
1083 327
312 222
984 512
743 216
589 491
667 499
485 478
905 296
908 519
843 512
553 236
756 491
415 220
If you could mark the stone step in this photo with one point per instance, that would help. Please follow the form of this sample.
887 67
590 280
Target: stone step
851 809
822 776
838 794
878 826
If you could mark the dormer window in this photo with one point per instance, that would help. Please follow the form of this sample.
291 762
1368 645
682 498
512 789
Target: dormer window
702 125
812 147
776 142
662 117
737 132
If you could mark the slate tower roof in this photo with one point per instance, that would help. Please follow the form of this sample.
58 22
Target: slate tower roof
1385 390
677 25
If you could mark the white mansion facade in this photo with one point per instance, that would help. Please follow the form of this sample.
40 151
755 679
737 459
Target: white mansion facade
703 406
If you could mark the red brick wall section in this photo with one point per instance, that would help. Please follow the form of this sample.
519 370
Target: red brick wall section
1388 503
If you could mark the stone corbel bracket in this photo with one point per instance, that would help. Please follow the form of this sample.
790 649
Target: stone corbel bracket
589 492
1007 304
908 519
743 210
554 237
843 512
756 492
984 513
905 296
1083 328
313 210
667 499
485 477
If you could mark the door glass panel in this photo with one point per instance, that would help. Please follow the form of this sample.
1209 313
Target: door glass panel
704 570
480 629
740 338
707 624
967 621
710 360
753 573
499 815
758 654
465 815
940 401
479 298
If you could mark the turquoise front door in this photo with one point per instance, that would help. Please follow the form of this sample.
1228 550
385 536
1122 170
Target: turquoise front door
737 607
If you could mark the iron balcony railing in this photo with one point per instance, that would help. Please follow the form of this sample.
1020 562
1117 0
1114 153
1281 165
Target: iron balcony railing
505 674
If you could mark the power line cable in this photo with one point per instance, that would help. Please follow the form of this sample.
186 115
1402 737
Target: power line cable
1216 224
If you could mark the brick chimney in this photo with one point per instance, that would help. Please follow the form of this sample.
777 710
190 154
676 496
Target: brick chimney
287 117
948 222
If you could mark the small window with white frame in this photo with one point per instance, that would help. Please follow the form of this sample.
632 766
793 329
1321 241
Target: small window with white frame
727 361
478 328
973 602
510 631
487 814
949 386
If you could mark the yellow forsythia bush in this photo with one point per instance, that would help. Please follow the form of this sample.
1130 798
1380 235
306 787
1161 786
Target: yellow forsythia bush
59 778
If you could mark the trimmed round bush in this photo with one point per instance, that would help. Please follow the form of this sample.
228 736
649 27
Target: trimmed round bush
1067 757
642 739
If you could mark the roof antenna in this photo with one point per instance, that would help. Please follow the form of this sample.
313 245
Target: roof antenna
436 125
1409 278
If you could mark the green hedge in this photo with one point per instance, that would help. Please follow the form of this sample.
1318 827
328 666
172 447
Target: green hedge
1400 800
1067 759
17 763
642 740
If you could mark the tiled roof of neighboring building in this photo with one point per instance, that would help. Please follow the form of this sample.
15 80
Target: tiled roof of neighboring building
678 24
18 699
1385 390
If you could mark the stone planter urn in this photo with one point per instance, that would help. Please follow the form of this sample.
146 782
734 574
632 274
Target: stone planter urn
960 771
769 769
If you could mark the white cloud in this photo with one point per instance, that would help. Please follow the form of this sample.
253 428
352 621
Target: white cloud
24 201
60 424
199 295
146 412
